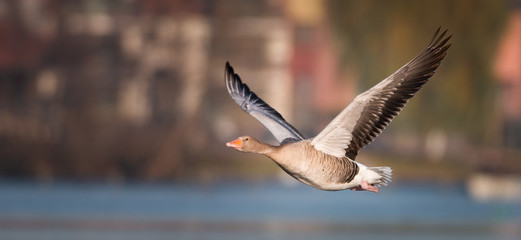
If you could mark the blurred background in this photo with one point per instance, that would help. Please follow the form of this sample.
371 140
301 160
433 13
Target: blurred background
114 116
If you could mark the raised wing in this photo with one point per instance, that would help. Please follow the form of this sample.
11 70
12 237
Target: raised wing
370 112
257 108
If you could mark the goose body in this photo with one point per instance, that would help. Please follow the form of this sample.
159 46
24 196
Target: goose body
323 171
327 161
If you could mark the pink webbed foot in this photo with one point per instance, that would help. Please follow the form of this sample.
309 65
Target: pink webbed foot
365 186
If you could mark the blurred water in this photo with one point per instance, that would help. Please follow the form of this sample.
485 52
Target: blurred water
249 211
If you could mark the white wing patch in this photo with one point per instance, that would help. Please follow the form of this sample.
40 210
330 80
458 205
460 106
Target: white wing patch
335 138
335 142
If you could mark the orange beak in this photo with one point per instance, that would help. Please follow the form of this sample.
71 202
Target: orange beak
237 143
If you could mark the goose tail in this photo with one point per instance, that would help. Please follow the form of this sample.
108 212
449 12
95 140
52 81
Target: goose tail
385 173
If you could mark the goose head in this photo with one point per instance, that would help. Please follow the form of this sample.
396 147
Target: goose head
247 144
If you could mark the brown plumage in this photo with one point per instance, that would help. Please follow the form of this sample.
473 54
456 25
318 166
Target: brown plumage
327 161
325 168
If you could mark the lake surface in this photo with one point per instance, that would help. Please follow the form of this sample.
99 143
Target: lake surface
235 210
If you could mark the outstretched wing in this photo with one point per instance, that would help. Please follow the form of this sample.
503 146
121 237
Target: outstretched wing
257 108
370 112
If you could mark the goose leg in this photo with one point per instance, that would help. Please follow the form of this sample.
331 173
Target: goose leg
365 186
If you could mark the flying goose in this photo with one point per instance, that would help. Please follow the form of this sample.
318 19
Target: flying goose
327 161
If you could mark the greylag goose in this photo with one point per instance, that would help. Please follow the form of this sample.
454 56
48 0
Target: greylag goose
327 161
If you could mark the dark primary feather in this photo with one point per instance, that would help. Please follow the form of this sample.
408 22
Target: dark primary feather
402 85
253 105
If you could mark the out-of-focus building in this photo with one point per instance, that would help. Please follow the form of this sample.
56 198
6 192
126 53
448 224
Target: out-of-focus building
124 89
507 68
134 88
319 86
96 88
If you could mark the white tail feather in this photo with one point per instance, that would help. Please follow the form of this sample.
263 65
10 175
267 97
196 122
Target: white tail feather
385 173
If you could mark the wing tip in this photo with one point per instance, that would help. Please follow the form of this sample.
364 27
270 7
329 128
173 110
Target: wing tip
232 80
438 39
228 73
228 70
